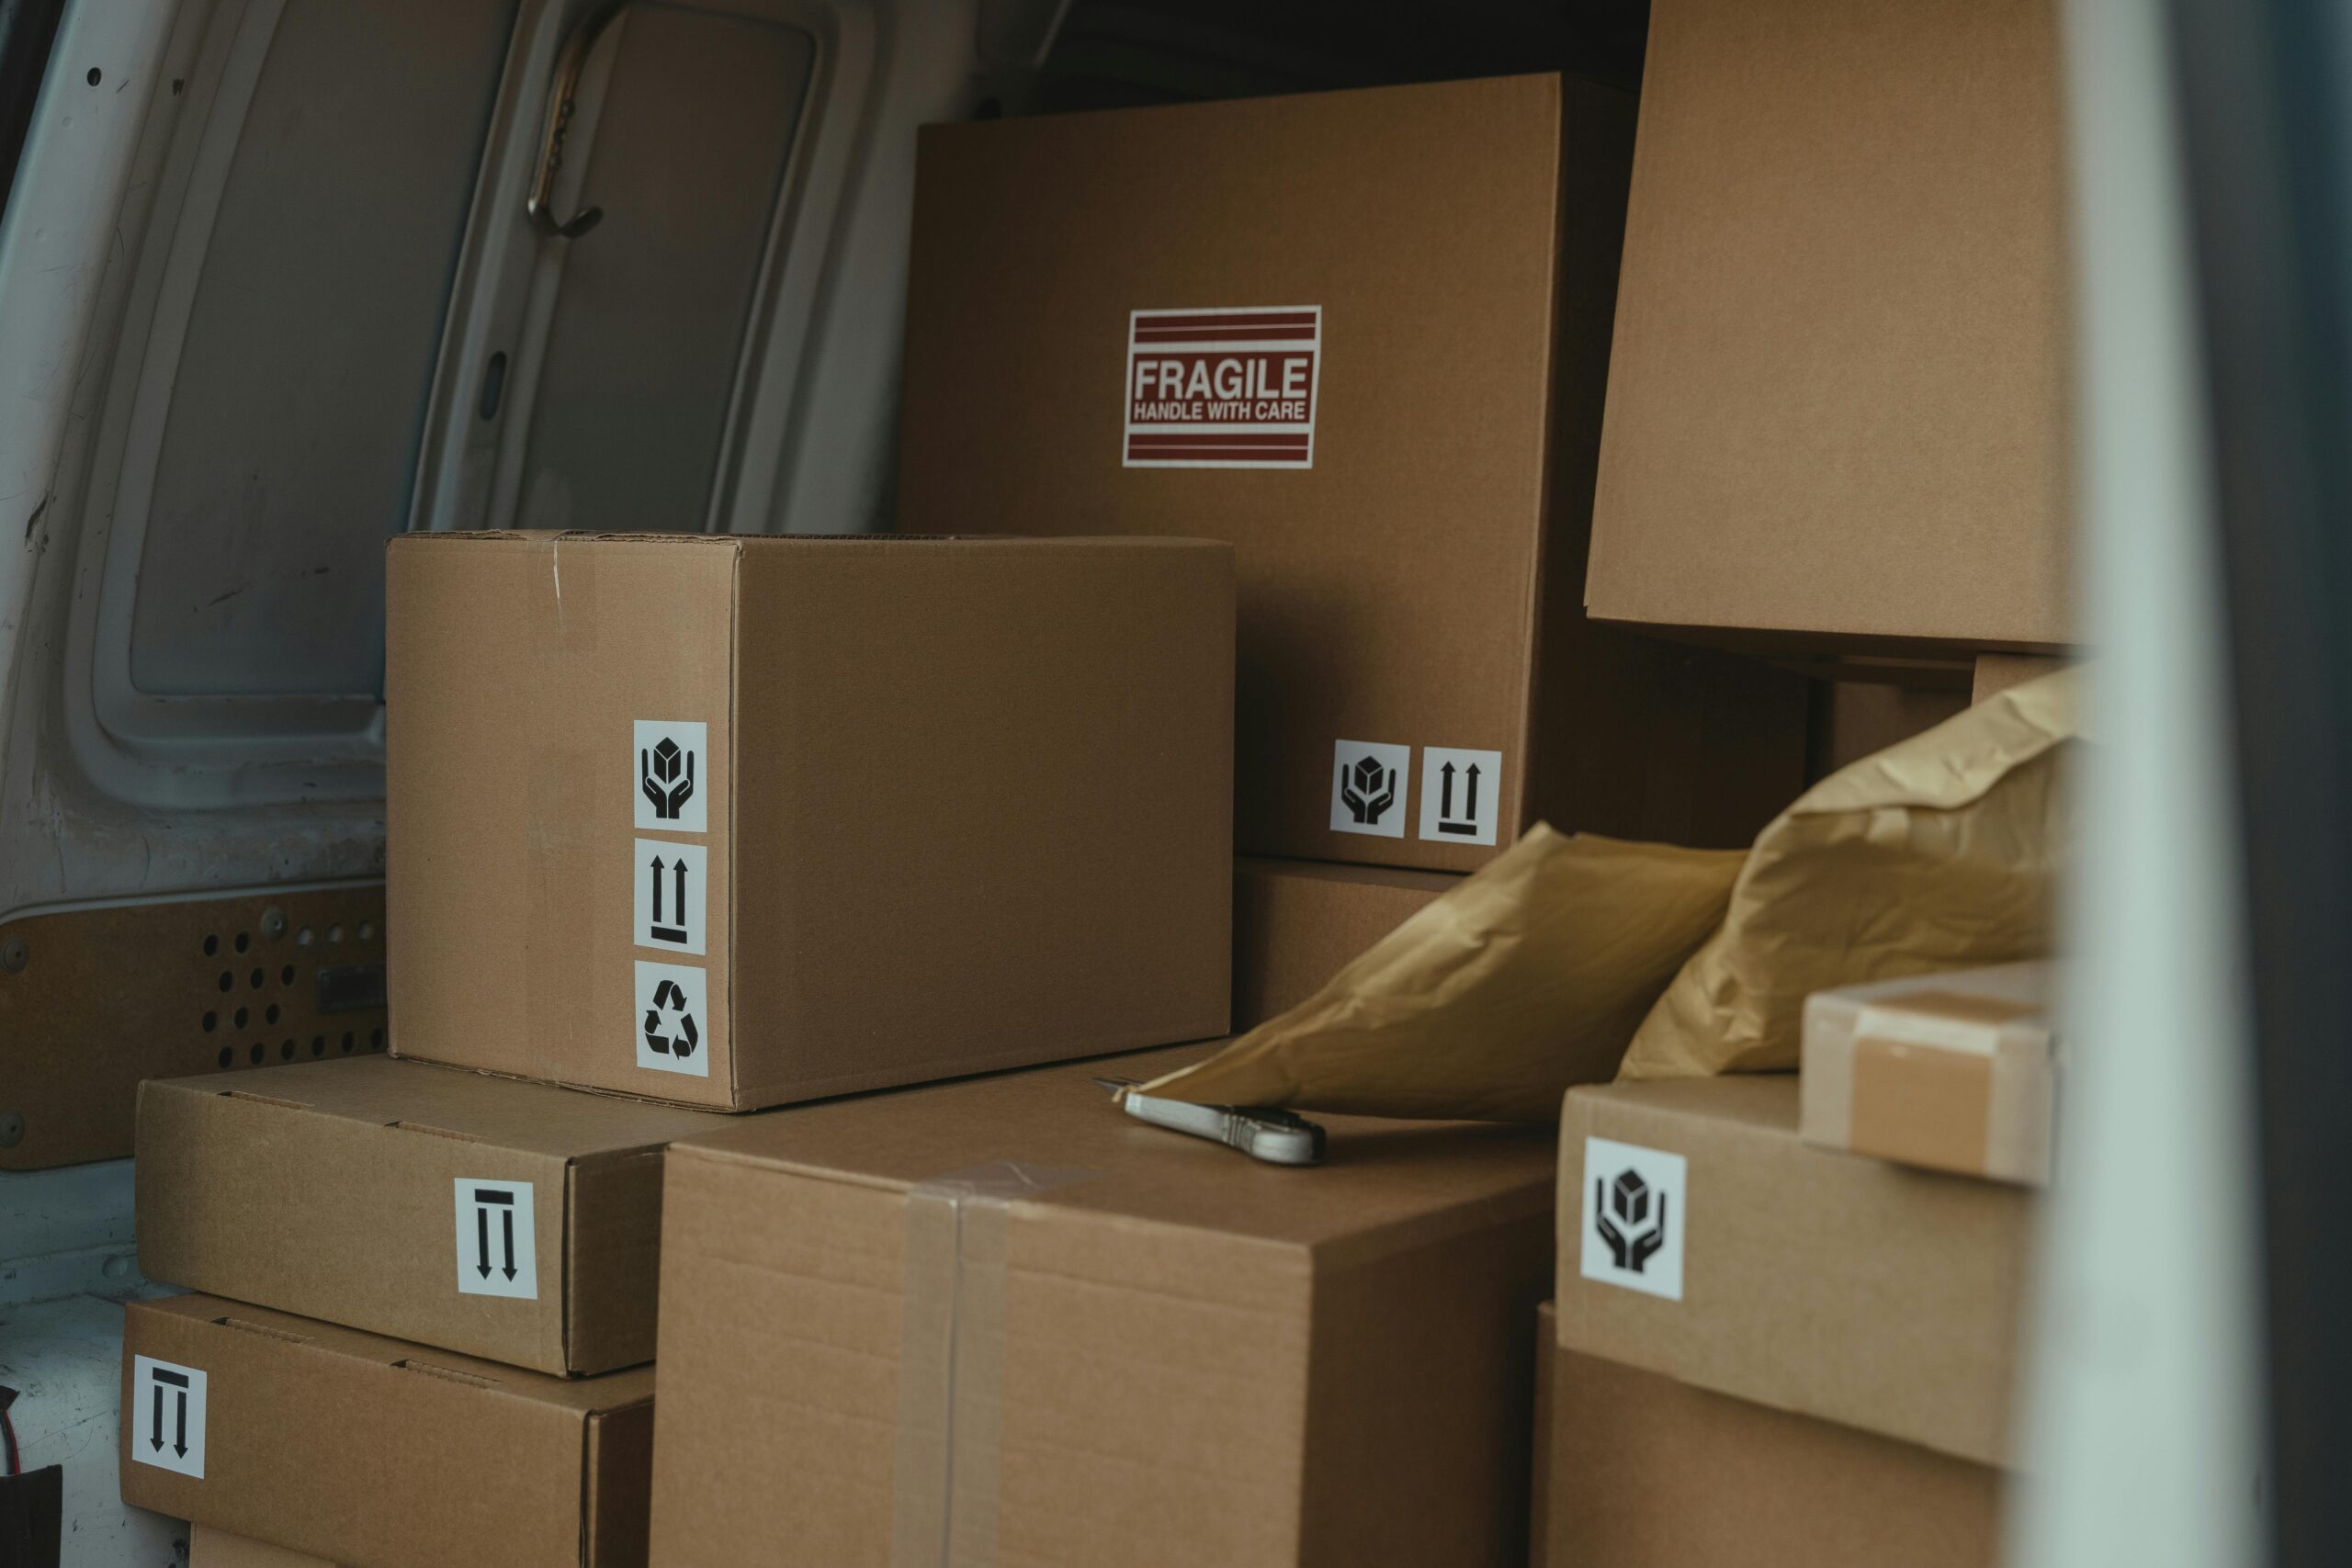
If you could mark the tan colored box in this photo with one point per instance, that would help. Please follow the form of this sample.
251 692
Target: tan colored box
1951 1072
1000 1321
210 1548
1748 1263
1410 501
928 807
1996 672
1297 923
376 1453
517 1222
1838 412
1636 1471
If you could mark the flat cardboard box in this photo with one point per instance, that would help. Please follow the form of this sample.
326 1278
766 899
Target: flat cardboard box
1297 923
926 806
1424 276
1155 1351
376 1453
517 1221
210 1548
1752 1264
1636 1471
1837 411
1951 1072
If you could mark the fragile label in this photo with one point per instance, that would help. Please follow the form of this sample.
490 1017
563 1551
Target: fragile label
1458 791
670 895
167 1405
670 1018
497 1243
1634 1217
670 765
1231 388
1369 782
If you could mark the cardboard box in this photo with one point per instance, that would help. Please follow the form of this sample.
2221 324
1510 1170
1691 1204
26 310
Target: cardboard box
1740 1259
1297 923
928 807
513 1220
1837 412
1401 453
210 1548
376 1453
1996 672
1860 719
1002 1321
1951 1072
1636 1471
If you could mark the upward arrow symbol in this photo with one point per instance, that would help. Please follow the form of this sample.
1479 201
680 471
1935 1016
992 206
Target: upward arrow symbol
1445 791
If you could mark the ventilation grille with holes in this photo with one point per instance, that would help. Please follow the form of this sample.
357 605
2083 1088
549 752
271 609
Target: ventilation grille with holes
93 1000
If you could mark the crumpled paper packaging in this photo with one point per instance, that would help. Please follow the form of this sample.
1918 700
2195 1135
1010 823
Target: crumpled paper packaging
1488 1004
1942 852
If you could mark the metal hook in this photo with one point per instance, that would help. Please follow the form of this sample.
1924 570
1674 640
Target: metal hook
570 62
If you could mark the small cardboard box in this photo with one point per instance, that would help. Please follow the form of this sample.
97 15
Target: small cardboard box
1837 411
210 1548
1701 1240
517 1222
376 1453
736 821
1634 1470
1297 923
1002 1321
1363 336
1952 1072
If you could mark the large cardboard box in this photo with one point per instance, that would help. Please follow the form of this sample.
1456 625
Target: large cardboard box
1634 1470
1699 1239
1000 1321
210 1548
1837 411
1951 1072
1362 335
1297 923
736 821
376 1453
517 1222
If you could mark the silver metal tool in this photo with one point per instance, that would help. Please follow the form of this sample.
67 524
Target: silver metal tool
1261 1131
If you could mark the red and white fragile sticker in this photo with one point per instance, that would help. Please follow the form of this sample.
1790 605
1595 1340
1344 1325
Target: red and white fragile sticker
1232 387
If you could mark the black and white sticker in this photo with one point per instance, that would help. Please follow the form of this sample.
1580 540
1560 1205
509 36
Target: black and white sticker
672 1019
167 1413
1370 780
669 764
1635 1215
497 1244
670 881
1458 791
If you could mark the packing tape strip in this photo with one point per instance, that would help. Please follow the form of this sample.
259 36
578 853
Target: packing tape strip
951 1361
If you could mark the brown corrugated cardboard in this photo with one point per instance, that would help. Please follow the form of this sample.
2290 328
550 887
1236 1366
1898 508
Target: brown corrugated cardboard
1636 1471
210 1548
929 806
514 1221
1860 718
1864 1294
1124 1345
1296 923
1951 1072
376 1453
1837 409
1434 266
1996 672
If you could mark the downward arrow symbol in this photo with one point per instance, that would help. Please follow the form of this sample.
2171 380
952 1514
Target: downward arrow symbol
481 1239
158 1438
510 1244
179 1442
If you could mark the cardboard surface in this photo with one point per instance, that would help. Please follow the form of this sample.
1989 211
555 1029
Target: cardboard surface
1996 672
943 805
1636 1471
1154 1350
1449 251
1861 717
210 1548
233 1200
1825 1284
1951 1072
1837 411
450 1462
1297 923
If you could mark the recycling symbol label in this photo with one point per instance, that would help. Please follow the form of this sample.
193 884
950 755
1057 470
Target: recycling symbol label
671 1018
1635 1215
669 774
